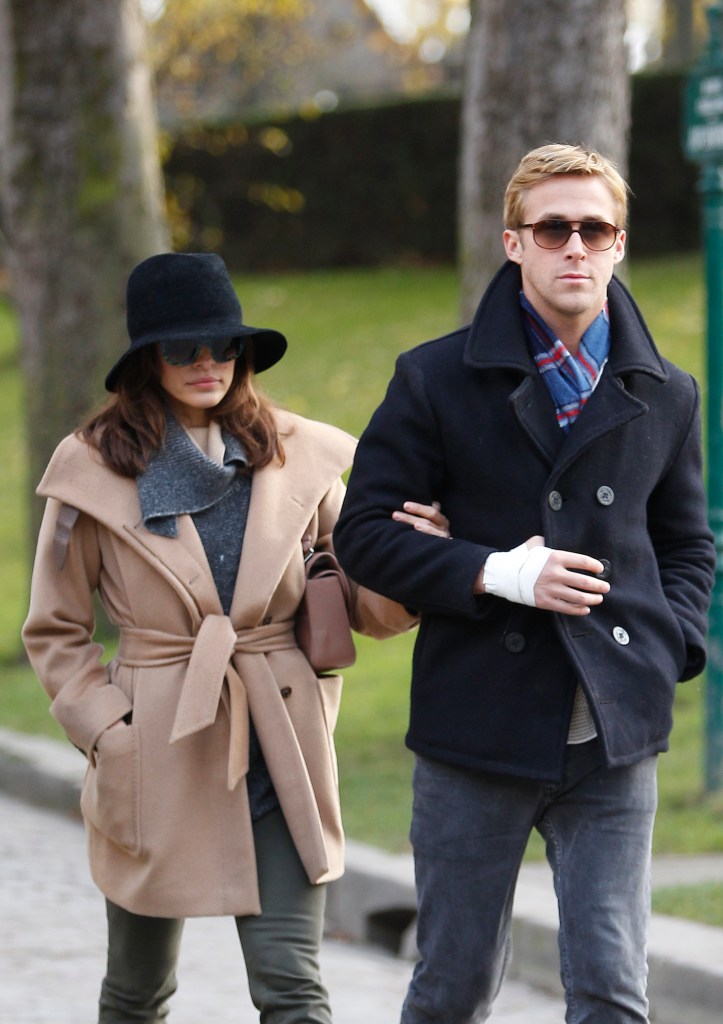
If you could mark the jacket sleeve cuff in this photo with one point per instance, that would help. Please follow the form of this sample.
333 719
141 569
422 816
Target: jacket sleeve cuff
380 617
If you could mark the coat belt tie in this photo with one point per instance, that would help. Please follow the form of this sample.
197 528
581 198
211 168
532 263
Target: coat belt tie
209 655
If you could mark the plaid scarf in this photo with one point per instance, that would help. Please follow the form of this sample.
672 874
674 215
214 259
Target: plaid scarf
570 378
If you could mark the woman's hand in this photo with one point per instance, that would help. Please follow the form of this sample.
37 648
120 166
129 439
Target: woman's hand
425 518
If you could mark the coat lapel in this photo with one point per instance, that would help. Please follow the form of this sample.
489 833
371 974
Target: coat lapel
283 502
274 527
611 404
183 559
535 412
609 407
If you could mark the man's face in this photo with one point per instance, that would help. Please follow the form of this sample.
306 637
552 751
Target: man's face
566 286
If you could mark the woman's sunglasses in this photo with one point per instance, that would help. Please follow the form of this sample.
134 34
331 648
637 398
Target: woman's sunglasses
183 353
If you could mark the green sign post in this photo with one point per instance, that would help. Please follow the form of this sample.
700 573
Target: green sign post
703 143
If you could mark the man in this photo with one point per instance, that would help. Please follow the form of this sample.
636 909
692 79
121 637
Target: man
572 595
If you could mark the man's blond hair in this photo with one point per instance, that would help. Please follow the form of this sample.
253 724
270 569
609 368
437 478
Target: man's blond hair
555 159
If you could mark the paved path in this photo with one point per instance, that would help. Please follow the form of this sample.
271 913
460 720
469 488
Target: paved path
53 933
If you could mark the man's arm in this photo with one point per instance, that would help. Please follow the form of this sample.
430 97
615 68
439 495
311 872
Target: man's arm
683 542
400 457
402 453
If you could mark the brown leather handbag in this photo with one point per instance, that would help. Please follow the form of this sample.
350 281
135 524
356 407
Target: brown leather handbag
323 631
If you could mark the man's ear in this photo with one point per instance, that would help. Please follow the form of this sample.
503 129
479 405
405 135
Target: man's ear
620 246
513 245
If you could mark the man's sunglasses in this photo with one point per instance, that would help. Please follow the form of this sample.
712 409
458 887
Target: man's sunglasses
183 353
597 235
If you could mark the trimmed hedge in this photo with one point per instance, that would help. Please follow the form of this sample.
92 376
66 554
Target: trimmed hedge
665 213
378 185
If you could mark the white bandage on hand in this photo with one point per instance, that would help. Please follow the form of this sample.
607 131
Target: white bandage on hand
513 574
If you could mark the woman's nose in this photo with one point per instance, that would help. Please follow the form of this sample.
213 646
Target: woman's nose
204 356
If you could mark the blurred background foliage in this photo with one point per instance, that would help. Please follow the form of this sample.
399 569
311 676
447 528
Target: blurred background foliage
300 134
336 190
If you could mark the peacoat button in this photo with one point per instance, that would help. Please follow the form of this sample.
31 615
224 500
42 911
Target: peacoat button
515 642
286 691
606 573
266 621
605 495
621 636
554 500
607 569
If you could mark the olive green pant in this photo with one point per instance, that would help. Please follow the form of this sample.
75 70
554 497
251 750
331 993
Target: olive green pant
280 947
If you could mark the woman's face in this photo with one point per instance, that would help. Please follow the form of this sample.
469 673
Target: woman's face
194 390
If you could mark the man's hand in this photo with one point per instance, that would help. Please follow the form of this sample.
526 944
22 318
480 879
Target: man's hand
425 518
560 588
545 578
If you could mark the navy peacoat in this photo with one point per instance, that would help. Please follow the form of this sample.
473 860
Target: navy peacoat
468 421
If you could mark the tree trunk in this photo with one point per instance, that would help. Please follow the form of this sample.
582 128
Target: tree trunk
679 42
535 73
82 196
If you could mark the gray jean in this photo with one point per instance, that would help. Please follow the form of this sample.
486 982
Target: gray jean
469 833
280 947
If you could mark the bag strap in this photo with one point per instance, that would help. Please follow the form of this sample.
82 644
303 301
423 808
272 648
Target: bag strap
325 564
67 517
307 546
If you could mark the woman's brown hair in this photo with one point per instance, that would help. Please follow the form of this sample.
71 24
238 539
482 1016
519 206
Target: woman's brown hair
131 426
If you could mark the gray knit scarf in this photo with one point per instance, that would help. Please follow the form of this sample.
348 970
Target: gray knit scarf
183 479
180 478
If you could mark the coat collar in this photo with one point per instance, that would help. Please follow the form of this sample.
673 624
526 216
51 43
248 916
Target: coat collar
496 340
283 501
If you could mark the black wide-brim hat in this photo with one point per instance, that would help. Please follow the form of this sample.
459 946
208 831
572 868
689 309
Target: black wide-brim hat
179 296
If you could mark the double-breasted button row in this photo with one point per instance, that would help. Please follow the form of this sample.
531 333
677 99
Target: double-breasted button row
515 643
605 496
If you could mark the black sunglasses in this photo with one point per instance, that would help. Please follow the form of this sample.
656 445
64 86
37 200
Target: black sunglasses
597 235
182 353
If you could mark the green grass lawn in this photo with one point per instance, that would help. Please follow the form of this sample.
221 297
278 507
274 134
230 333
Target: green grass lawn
345 329
702 903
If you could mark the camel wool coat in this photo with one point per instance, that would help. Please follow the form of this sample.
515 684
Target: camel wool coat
164 798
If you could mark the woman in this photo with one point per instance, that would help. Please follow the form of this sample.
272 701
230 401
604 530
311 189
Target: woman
212 784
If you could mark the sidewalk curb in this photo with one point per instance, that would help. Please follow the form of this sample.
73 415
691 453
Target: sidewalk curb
375 900
42 771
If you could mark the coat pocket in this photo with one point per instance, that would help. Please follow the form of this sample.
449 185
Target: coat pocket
110 799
